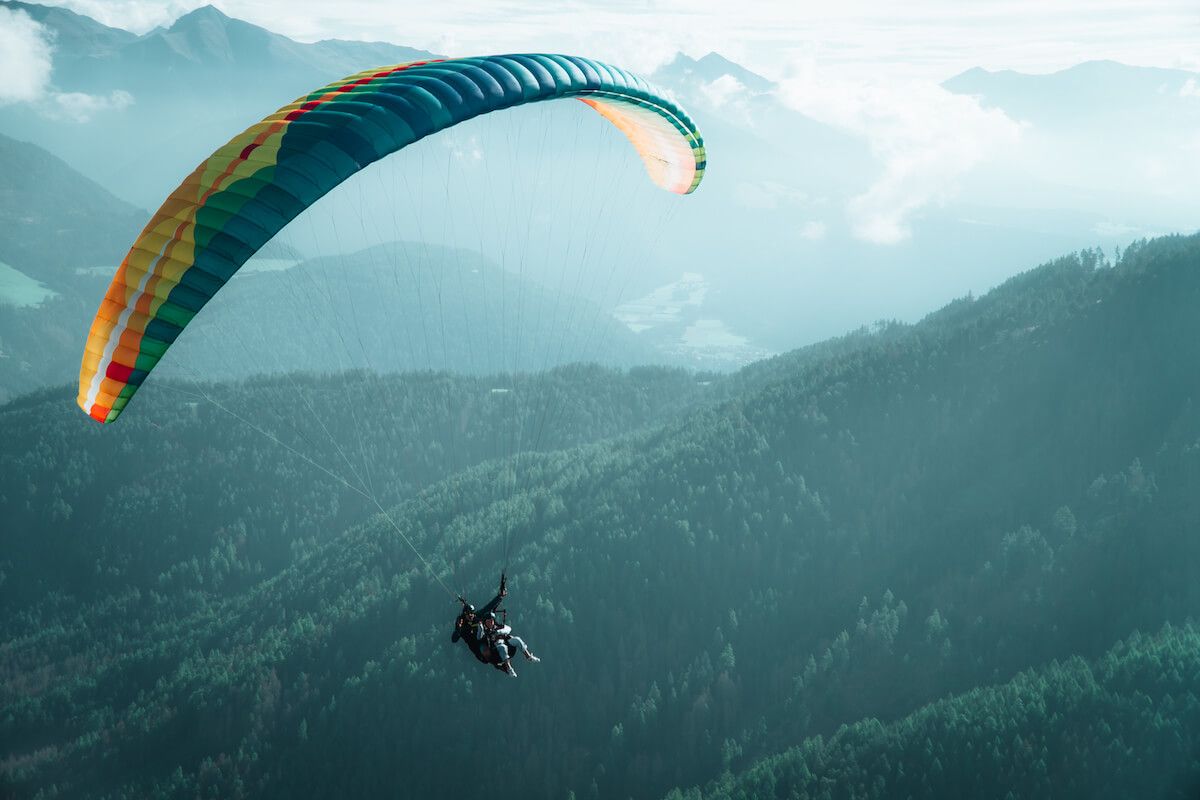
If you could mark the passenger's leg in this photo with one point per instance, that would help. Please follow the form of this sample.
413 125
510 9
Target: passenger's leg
524 648
504 653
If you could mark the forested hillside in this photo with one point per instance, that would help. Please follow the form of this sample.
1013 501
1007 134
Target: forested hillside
185 494
1125 725
855 531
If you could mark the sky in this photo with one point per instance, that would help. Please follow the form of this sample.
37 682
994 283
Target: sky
917 39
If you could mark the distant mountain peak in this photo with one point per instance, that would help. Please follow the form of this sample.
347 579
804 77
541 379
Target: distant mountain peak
714 60
708 68
211 18
207 35
976 72
207 12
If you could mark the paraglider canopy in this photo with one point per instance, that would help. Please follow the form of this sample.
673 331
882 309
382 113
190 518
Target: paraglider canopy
249 189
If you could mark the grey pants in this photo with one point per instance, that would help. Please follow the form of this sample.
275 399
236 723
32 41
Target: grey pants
505 650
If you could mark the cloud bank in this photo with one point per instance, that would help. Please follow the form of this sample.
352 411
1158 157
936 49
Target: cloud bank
925 137
26 62
139 16
24 58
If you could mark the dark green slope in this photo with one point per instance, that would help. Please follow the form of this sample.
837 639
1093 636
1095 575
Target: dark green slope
184 495
928 510
1125 725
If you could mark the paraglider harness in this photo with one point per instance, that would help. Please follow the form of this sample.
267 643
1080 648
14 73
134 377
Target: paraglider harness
493 655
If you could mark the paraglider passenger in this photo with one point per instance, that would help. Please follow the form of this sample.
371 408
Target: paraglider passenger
501 641
467 626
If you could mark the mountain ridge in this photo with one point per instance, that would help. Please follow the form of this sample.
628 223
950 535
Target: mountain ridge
947 505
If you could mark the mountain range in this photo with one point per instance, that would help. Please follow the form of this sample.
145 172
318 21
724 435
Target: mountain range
781 255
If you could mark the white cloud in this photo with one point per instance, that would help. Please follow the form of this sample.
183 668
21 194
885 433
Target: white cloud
24 58
722 90
26 51
138 16
1189 88
925 136
80 107
727 96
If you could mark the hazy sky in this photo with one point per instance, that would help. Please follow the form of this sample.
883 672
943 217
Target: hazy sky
920 38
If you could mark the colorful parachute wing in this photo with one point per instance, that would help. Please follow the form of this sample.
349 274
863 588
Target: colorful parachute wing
249 189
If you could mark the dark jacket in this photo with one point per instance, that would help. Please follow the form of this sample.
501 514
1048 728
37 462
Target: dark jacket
467 631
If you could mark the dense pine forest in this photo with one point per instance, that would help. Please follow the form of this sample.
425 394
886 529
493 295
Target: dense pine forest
957 557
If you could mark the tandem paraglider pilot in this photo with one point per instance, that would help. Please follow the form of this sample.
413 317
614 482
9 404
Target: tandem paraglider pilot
489 639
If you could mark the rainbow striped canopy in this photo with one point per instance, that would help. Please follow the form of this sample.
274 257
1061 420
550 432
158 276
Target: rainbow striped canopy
249 189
